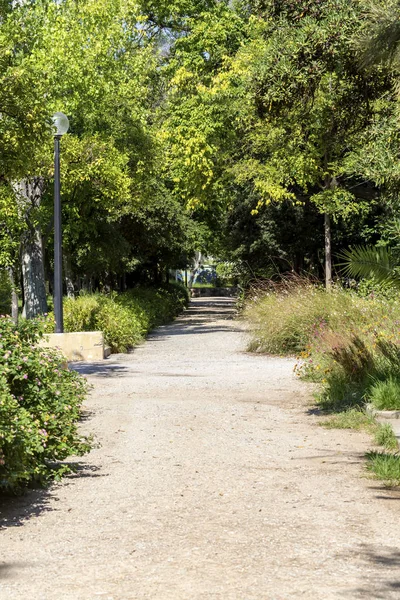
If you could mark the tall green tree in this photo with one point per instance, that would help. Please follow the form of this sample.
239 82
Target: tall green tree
269 108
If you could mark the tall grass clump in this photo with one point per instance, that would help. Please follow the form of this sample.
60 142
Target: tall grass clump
385 394
384 436
289 316
385 466
348 343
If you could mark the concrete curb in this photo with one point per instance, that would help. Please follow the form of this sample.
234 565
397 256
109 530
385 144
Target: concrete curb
85 346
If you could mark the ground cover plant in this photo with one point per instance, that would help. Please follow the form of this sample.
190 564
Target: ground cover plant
40 404
348 343
126 318
385 466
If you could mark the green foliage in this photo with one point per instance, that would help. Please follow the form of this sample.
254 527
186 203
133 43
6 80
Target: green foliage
121 327
228 273
385 395
190 113
350 345
40 402
293 313
158 304
371 288
384 436
380 40
349 419
356 366
368 262
5 293
384 466
80 313
99 62
11 226
125 319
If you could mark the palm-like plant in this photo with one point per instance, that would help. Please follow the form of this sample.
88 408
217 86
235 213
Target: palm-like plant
371 262
380 44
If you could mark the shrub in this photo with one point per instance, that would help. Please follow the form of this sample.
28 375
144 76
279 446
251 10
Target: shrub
39 407
80 313
125 319
121 327
228 273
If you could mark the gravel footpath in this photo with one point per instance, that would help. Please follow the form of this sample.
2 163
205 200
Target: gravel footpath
213 481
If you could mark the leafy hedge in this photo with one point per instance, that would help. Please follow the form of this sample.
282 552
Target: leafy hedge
40 404
125 319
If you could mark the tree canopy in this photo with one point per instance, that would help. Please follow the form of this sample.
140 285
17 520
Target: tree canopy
266 131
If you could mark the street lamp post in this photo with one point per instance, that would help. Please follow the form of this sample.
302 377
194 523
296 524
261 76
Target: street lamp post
61 125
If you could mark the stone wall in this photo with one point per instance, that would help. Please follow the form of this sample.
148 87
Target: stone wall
214 291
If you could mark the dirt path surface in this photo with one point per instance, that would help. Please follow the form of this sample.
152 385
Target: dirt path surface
211 482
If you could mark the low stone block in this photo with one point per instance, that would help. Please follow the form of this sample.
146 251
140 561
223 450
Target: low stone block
77 345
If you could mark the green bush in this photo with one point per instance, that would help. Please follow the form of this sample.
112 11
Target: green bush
228 273
121 327
80 314
125 319
40 404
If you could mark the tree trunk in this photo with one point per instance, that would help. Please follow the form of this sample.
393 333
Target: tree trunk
29 194
87 284
35 301
330 184
328 252
14 297
68 276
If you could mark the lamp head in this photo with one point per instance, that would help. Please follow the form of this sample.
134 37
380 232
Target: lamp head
60 123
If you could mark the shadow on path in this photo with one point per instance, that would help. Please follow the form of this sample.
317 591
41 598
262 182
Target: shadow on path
198 318
16 510
210 315
387 558
7 569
